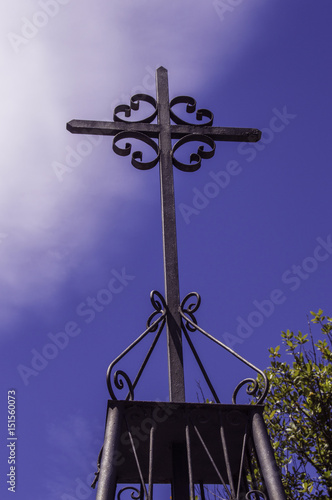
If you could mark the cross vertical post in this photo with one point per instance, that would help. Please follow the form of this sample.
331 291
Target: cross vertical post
174 452
169 126
171 272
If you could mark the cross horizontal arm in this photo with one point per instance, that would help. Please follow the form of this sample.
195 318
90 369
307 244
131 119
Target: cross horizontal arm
218 133
111 128
153 130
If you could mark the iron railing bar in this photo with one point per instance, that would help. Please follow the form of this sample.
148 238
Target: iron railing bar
225 450
147 357
190 470
200 364
212 461
136 460
254 484
129 348
215 495
201 489
242 460
228 349
246 467
152 430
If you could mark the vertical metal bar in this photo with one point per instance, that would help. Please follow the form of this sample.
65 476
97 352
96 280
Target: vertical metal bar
202 492
267 463
211 460
190 470
242 463
171 273
180 484
137 463
108 473
227 462
150 493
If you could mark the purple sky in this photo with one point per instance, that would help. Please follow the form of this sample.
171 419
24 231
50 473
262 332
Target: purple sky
75 216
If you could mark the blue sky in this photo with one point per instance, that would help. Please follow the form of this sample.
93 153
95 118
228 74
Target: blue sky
260 239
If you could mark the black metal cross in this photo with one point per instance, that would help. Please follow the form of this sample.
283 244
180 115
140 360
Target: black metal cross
165 131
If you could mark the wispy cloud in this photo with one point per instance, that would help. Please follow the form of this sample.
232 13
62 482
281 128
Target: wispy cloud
45 85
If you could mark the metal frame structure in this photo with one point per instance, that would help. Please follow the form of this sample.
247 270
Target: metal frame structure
180 443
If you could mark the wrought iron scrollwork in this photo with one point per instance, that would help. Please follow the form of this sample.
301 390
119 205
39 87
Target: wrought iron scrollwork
252 389
190 324
190 309
160 308
190 108
135 494
249 495
155 322
134 105
137 156
195 158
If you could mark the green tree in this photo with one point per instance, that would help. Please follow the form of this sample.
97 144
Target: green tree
299 411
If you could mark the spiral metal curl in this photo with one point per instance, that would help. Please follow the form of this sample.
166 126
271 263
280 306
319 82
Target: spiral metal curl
134 496
195 158
191 108
155 319
255 492
251 390
137 156
134 105
191 324
190 309
118 382
160 308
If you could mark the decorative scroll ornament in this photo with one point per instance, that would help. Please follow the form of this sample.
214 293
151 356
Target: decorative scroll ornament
252 495
135 493
134 105
137 156
191 108
190 324
190 309
253 388
155 322
195 158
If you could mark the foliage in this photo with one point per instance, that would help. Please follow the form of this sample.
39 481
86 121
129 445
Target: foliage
299 411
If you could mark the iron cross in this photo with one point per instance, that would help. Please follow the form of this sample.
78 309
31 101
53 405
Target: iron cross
165 131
